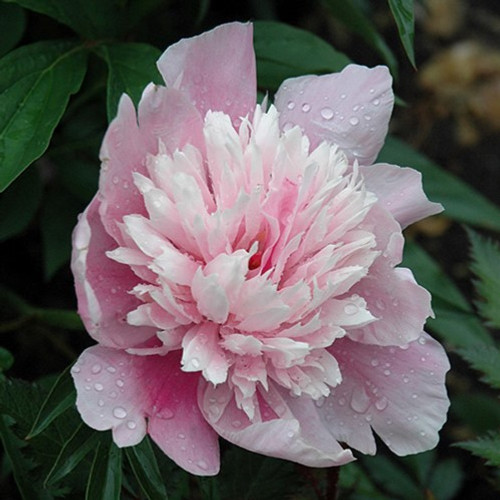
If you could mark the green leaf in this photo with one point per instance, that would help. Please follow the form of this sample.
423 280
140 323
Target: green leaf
6 359
105 480
36 82
58 219
21 466
455 320
283 52
18 205
487 447
145 468
131 67
403 13
61 397
59 318
354 18
478 411
486 359
247 476
391 477
72 453
485 254
12 25
353 478
446 479
460 201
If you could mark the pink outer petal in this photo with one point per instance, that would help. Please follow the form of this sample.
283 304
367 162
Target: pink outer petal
351 108
400 393
102 285
297 436
217 69
165 116
400 191
127 393
400 304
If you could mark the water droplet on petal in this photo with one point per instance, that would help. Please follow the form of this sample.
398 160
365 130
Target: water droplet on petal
343 96
287 126
306 107
387 372
367 117
290 105
290 434
422 433
406 380
96 368
422 340
181 436
380 304
119 412
327 113
342 401
236 424
414 396
165 414
100 403
381 404
368 418
115 180
376 102
360 401
353 120
195 362
375 362
111 369
131 424
98 387
351 309
202 464
120 382
320 402
76 369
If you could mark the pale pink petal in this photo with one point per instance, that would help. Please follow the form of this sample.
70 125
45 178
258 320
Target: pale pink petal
399 392
400 191
111 395
167 115
102 285
299 437
351 108
400 304
216 69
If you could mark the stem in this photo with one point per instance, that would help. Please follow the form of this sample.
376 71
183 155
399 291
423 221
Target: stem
332 483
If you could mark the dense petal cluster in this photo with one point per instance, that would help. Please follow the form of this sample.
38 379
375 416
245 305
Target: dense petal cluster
237 268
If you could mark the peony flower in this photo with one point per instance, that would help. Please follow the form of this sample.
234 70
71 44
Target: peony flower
238 269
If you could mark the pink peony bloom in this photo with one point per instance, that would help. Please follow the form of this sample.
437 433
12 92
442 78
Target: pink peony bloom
237 268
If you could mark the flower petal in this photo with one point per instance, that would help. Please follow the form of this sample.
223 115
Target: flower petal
111 395
399 392
351 108
102 285
298 435
216 69
400 191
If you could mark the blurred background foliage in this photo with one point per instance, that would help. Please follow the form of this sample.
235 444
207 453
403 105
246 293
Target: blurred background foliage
63 66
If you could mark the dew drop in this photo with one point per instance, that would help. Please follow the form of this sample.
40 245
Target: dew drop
202 464
112 394
195 362
98 387
380 304
306 108
96 368
414 396
387 372
422 433
120 382
290 434
375 362
376 102
327 113
287 126
367 117
319 402
290 105
100 403
236 424
111 369
351 309
131 424
125 185
76 369
342 401
343 96
165 414
360 401
353 120
406 380
87 387
368 418
423 359
372 91
119 412
381 404
115 180
422 340
181 436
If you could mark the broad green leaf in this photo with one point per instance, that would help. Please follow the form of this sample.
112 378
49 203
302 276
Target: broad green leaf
6 359
21 466
12 25
352 477
145 468
420 465
105 480
478 411
430 275
283 52
36 82
58 219
486 359
73 452
460 201
247 476
446 479
485 255
487 447
355 19
61 397
131 67
390 477
403 13
18 205
59 318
